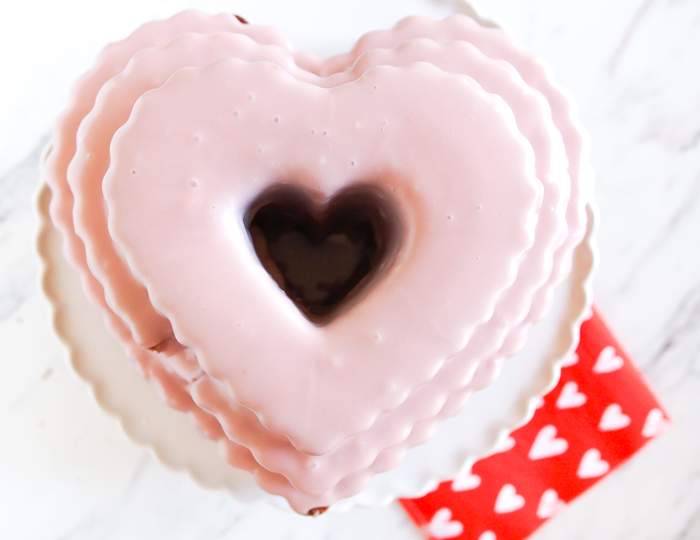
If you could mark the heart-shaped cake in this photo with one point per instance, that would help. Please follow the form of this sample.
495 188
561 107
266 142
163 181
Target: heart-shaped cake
318 260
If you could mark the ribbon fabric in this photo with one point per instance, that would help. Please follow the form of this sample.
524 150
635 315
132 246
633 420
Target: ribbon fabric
601 413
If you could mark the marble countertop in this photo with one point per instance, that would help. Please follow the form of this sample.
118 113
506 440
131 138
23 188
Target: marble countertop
66 469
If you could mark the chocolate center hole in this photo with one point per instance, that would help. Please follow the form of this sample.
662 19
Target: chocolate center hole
324 253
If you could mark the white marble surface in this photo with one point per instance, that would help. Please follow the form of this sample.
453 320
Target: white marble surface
66 469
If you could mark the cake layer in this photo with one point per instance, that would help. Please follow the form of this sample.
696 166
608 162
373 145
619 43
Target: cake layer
118 94
195 154
342 470
113 105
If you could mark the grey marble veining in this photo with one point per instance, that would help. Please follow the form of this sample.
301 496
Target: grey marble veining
66 469
18 268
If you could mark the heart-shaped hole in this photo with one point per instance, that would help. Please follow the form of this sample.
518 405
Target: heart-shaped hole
324 253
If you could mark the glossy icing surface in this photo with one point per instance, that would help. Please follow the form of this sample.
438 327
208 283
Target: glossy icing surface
430 382
334 381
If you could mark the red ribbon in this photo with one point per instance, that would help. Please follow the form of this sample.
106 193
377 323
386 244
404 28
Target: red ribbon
600 414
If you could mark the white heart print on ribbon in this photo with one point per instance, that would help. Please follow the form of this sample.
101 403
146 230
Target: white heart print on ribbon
507 444
613 418
592 465
570 360
508 500
546 444
655 424
443 526
466 482
570 397
550 504
608 361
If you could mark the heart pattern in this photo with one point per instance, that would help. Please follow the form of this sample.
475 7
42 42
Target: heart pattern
570 360
507 444
655 423
570 397
608 361
400 358
465 482
508 500
443 526
547 444
163 337
613 419
561 452
550 505
592 465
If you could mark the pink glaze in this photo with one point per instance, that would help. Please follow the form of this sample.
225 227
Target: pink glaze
531 113
112 60
126 296
118 95
496 44
416 418
179 185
